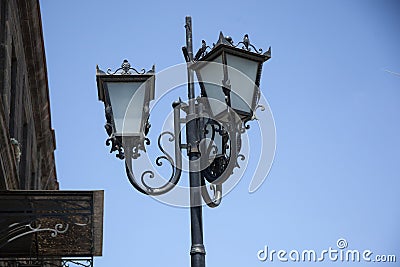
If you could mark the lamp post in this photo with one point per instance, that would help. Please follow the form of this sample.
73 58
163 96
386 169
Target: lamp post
229 78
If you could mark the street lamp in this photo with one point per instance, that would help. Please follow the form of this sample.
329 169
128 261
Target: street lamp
223 65
126 100
229 78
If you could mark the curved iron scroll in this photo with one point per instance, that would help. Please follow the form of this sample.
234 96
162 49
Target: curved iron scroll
176 167
18 230
217 189
125 69
227 40
248 46
225 164
202 51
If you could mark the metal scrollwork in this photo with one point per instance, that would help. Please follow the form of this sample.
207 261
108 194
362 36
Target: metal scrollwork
176 164
248 46
150 175
116 142
245 126
217 197
202 50
241 157
218 161
113 141
109 120
211 148
253 117
261 107
227 40
116 145
79 262
166 157
125 69
18 230
222 166
138 144
48 261
218 166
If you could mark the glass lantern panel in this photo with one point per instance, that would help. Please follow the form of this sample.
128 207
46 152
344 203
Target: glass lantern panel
212 75
242 74
127 102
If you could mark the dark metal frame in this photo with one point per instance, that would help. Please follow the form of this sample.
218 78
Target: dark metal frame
125 75
223 47
198 124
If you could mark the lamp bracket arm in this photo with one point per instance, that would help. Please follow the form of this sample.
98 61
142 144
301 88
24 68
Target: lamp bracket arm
215 201
176 165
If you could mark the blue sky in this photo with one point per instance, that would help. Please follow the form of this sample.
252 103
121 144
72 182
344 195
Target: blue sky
333 85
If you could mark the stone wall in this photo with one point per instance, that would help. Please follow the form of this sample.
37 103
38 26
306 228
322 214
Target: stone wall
27 140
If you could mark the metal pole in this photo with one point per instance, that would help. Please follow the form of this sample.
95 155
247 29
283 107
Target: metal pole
197 251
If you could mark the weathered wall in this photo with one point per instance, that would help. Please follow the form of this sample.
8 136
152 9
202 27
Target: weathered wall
25 121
